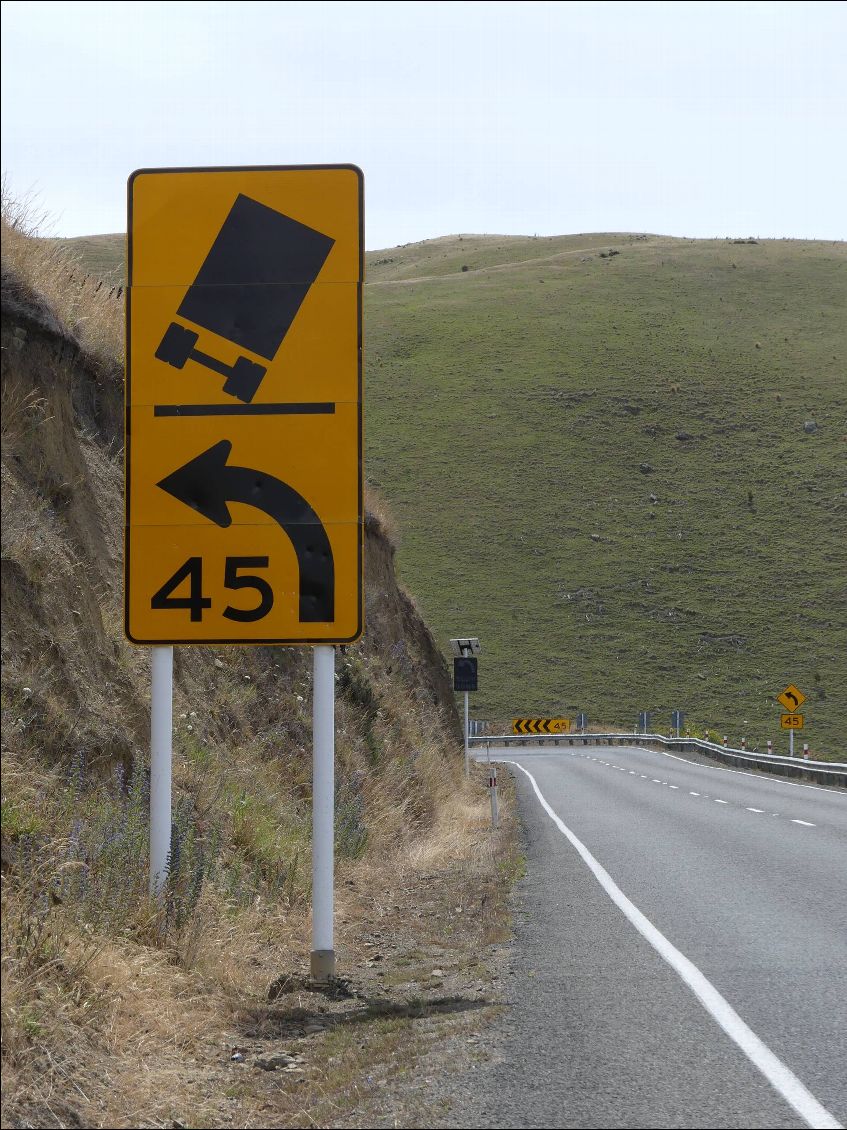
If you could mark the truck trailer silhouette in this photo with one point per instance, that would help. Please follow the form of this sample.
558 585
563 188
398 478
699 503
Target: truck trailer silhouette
249 290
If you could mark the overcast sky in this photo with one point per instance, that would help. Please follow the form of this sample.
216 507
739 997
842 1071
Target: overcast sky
698 119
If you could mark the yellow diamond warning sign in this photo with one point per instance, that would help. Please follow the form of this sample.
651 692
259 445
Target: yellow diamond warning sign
244 513
791 698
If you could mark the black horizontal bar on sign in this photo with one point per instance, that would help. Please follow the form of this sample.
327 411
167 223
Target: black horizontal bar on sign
317 409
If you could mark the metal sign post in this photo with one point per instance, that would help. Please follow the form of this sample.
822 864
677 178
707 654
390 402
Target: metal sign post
323 813
161 757
467 743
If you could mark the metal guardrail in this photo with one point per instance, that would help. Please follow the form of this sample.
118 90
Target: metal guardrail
825 772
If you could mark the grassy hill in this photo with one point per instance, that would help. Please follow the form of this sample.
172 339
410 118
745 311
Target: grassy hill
602 466
101 255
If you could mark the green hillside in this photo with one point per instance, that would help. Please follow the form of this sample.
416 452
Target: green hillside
600 465
101 255
524 415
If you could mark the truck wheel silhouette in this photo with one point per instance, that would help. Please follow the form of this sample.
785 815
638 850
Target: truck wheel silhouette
177 348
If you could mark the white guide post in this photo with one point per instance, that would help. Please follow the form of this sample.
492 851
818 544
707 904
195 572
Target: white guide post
492 788
323 813
161 758
467 743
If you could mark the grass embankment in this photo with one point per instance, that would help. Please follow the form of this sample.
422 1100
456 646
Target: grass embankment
600 467
119 1012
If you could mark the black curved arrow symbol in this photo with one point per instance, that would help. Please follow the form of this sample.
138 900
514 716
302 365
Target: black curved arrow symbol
788 694
207 483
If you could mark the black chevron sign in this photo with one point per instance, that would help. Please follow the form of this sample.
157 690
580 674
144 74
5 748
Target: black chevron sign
541 725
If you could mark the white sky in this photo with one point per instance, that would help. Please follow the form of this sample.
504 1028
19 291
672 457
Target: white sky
696 119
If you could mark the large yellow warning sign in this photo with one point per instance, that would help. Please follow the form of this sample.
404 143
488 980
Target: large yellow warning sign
244 499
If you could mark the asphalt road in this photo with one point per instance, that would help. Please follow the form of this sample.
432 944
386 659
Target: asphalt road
744 876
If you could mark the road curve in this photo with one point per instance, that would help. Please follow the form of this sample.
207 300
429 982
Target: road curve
742 877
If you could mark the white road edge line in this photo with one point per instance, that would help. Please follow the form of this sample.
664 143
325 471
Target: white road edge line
755 810
805 823
781 1078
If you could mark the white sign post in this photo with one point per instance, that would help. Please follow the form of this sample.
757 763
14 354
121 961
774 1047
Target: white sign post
467 743
492 788
161 759
323 813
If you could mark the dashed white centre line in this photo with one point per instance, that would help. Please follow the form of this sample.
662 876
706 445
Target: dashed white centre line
691 792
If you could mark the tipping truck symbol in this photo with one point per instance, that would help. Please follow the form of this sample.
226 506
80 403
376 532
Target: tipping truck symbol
249 290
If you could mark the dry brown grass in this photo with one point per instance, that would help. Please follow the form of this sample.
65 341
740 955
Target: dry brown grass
117 1012
140 1032
379 513
90 309
116 1032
